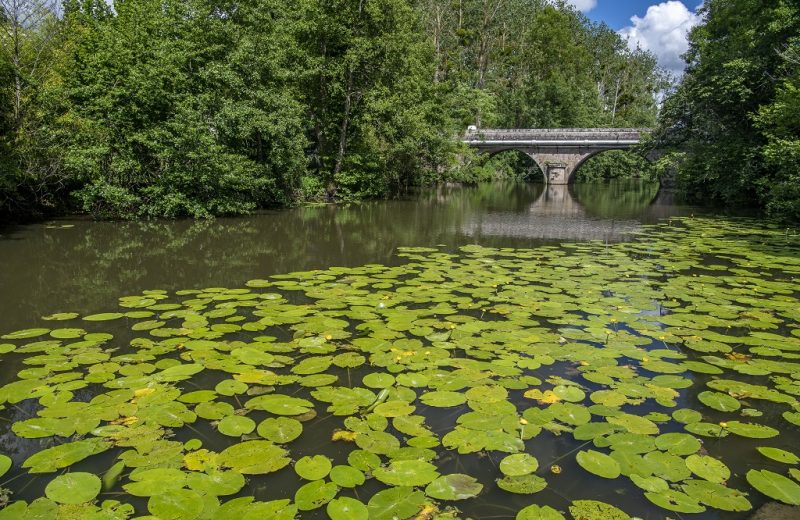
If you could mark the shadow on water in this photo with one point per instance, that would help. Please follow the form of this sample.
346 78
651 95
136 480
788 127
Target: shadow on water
84 266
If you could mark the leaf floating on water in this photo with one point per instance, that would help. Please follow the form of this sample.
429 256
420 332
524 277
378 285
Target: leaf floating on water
443 399
236 425
176 504
5 464
395 502
313 467
752 430
216 483
518 465
64 455
524 485
61 316
254 457
151 482
25 334
598 463
73 488
595 510
779 455
105 316
346 476
280 404
315 495
675 501
719 401
678 443
455 486
775 486
407 473
346 508
708 468
535 512
716 495
280 430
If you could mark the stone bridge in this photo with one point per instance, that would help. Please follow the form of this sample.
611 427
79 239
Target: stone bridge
558 152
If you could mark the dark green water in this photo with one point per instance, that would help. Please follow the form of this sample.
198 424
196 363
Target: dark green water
85 267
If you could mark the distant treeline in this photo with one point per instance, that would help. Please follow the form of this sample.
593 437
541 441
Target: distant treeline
733 123
167 108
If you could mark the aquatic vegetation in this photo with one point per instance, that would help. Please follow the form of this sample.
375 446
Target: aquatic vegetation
424 389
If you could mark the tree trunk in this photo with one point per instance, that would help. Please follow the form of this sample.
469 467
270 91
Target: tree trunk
348 103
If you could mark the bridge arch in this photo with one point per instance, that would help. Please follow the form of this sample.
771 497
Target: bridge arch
536 168
588 157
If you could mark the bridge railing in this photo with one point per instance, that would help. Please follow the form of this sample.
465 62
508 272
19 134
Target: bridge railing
555 130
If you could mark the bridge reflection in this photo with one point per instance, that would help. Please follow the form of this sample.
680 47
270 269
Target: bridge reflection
609 212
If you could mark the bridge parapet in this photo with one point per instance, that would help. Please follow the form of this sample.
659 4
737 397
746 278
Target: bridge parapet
554 134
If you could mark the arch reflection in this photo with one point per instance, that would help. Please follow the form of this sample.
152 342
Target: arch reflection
601 211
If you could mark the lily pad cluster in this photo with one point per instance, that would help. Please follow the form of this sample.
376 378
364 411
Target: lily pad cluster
657 365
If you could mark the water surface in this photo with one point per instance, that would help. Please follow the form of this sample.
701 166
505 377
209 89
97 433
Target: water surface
593 279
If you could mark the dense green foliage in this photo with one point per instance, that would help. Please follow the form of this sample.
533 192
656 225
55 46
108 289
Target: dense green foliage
735 119
205 107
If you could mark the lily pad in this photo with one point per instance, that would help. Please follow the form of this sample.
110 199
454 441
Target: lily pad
346 508
598 463
443 399
73 488
455 486
407 473
280 404
752 430
595 510
779 455
64 455
524 485
216 483
315 495
254 457
395 502
518 464
5 464
280 429
236 425
176 504
719 401
313 467
708 468
675 501
346 476
775 486
535 512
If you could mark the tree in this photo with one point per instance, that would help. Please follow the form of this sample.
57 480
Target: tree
371 99
30 36
779 121
726 118
180 107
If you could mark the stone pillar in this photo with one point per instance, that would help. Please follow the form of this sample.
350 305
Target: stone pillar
557 173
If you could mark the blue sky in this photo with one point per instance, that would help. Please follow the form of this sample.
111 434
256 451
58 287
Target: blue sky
658 26
617 13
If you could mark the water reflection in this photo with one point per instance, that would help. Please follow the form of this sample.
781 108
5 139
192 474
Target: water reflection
609 212
86 267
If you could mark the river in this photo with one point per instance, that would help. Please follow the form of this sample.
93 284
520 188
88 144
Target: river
603 329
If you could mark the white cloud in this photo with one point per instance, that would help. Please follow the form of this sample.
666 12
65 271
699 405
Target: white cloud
663 32
583 6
